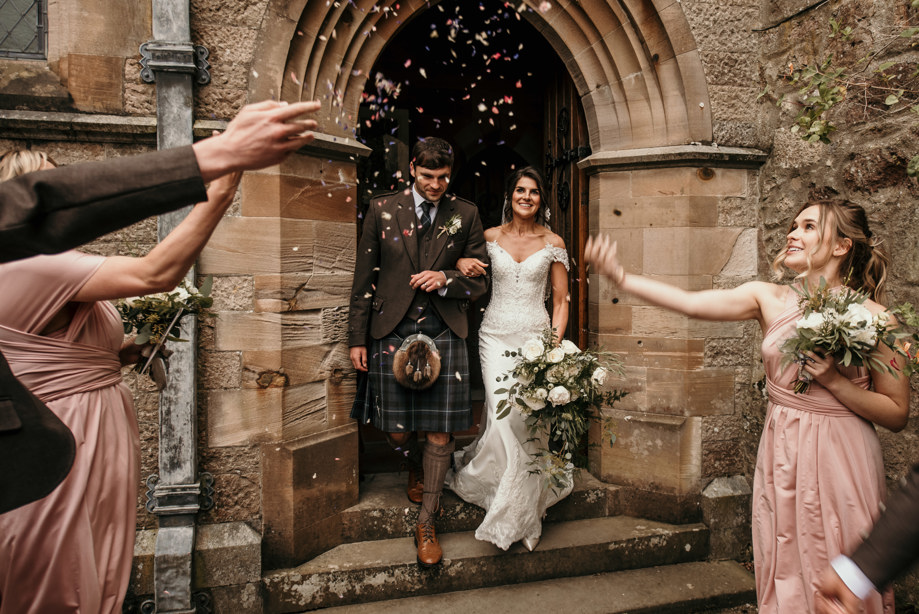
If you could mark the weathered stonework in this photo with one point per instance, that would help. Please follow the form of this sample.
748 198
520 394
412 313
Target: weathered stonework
275 382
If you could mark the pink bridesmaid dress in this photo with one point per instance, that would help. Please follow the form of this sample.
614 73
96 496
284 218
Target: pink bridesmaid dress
70 551
818 485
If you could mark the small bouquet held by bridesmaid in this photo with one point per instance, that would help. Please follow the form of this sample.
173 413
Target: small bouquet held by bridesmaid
836 323
156 318
559 389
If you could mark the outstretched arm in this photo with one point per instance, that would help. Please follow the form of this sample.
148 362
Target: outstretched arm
54 210
744 302
164 267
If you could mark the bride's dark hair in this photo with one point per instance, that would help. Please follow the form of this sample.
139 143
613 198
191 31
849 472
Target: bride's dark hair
531 173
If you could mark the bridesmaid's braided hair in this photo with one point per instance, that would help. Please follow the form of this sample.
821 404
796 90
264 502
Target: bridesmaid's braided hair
865 263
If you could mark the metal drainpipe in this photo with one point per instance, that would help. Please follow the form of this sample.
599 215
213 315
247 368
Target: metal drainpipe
174 494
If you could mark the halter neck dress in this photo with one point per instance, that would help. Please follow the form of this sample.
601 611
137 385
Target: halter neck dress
818 484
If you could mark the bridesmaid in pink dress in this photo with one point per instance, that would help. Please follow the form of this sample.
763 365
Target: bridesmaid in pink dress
72 550
819 477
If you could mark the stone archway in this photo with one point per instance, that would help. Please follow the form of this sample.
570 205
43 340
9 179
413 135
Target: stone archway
634 63
640 80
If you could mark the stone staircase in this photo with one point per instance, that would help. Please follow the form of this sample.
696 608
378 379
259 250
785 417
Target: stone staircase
590 559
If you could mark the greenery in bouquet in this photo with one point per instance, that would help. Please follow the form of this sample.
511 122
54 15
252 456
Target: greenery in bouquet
157 317
559 389
835 322
904 339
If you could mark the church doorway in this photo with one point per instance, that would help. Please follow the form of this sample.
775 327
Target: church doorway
483 78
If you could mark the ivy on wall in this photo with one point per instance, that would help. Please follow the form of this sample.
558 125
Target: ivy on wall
884 80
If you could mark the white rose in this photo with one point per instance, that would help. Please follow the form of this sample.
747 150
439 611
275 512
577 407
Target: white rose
865 336
857 313
559 395
599 376
533 349
525 378
541 394
569 348
814 321
556 354
534 403
552 374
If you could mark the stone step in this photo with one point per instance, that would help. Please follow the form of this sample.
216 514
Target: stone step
378 570
384 511
682 588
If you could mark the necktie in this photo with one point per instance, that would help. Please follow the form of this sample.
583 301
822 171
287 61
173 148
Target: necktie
425 217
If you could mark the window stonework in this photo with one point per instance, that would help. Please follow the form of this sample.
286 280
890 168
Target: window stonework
23 28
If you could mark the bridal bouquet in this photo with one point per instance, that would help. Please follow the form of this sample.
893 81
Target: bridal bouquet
837 323
559 389
156 318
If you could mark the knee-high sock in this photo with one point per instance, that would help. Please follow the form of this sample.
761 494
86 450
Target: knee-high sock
410 450
436 463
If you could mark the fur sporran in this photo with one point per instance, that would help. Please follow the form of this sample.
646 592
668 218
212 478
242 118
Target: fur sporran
416 364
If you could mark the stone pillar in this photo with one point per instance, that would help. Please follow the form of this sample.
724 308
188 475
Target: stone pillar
295 238
667 209
170 61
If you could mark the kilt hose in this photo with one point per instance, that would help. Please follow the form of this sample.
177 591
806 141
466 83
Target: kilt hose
443 408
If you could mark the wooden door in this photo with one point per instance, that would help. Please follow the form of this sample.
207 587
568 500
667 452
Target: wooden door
566 143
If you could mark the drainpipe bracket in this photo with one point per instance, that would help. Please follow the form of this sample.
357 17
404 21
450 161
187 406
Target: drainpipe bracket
174 499
166 56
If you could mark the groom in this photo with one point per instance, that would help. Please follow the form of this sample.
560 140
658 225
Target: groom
406 282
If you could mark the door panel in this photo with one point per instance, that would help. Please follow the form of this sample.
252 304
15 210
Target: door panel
566 143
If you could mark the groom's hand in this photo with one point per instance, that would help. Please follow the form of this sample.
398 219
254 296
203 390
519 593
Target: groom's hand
359 357
429 281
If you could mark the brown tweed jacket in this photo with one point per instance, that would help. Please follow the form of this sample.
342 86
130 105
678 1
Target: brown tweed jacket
893 544
390 253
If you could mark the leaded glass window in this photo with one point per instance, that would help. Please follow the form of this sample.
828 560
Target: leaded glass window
22 28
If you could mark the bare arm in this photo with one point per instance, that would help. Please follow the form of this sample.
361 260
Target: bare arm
164 267
750 301
558 276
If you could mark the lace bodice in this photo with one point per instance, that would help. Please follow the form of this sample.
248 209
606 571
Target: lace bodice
519 290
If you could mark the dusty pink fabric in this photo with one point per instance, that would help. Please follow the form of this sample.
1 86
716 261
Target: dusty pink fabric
818 484
72 550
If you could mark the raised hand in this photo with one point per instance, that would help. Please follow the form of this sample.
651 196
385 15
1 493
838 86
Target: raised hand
600 251
260 135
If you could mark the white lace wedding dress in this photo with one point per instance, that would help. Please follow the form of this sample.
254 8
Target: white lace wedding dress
495 471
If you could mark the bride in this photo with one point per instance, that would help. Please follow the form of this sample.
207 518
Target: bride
495 471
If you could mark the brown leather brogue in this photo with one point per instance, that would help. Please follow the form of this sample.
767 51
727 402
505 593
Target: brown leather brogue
429 551
415 488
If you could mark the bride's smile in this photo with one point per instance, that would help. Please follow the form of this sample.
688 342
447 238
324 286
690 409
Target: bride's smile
526 198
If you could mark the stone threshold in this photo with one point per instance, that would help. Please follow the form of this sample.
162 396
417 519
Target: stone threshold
682 588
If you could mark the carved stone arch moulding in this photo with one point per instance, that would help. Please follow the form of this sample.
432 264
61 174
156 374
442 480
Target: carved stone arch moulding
634 62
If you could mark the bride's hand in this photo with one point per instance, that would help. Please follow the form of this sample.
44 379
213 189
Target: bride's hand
471 267
601 252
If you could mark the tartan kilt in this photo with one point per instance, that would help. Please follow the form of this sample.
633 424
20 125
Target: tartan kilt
443 408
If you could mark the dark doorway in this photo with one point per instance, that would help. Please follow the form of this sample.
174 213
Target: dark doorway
481 77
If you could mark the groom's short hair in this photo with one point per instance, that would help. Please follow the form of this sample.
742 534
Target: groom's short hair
432 152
